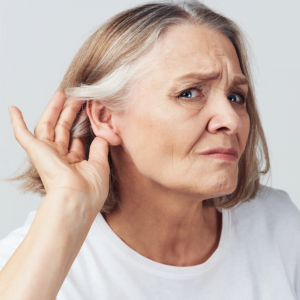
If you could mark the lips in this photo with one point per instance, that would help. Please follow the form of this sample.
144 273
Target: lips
219 150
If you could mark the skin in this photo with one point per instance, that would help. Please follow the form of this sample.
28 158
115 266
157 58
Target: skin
157 142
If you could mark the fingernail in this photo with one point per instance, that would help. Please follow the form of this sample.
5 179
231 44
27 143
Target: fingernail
9 109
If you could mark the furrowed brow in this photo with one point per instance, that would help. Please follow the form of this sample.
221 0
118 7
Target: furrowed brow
197 76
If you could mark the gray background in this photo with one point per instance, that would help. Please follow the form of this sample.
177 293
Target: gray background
39 38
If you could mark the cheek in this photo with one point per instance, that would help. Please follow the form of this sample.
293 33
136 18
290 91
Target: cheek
159 138
146 134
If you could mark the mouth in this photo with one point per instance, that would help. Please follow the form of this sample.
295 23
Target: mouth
229 154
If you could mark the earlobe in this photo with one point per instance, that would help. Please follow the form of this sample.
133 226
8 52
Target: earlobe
101 122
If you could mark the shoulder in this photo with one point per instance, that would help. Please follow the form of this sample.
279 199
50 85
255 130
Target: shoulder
271 213
276 202
266 230
11 242
272 204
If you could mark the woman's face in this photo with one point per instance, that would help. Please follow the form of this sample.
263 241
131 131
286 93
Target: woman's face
190 100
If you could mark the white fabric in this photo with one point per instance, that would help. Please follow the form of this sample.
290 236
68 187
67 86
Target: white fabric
258 257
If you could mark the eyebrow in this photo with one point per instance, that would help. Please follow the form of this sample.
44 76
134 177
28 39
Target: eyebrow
198 76
240 80
237 80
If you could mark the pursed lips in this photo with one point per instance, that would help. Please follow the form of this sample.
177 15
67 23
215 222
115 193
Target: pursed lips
230 154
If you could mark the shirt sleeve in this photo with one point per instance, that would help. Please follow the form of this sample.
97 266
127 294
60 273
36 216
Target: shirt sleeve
11 242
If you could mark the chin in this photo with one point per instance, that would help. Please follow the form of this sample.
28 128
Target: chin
224 185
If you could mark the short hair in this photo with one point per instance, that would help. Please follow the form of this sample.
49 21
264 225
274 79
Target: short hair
104 69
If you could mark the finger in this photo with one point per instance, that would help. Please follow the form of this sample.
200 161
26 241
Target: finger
77 151
99 151
65 122
21 132
46 124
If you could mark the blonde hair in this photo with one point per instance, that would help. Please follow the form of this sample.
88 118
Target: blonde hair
104 70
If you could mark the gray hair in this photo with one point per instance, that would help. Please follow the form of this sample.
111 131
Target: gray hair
105 68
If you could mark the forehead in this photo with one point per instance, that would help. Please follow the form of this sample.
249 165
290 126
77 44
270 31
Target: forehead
194 48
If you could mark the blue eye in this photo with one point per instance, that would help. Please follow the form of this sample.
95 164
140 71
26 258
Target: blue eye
236 98
189 94
192 93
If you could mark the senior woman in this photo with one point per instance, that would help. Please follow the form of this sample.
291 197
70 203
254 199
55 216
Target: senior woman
149 158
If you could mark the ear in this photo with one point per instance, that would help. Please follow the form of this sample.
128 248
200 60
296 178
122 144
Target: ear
102 122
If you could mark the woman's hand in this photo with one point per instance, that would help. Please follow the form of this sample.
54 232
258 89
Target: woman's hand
62 167
76 191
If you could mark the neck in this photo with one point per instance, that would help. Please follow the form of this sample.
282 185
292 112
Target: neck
163 225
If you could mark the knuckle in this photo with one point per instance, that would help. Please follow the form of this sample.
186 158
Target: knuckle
43 125
47 123
42 132
17 133
64 124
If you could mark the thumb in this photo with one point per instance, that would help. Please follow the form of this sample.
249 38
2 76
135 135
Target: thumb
99 151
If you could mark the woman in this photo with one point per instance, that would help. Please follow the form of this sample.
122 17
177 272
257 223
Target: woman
161 138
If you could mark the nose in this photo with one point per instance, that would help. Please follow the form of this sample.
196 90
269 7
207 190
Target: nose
223 117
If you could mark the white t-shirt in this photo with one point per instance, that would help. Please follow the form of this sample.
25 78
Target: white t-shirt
258 257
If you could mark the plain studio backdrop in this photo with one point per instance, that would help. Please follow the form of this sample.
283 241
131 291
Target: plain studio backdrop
39 39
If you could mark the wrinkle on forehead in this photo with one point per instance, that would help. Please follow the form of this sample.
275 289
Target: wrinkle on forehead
189 48
182 40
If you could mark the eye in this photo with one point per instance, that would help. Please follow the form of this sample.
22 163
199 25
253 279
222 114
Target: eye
237 98
191 93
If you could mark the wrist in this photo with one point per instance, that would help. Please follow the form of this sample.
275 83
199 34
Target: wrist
70 204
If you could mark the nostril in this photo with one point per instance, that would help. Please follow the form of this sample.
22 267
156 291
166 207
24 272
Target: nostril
223 128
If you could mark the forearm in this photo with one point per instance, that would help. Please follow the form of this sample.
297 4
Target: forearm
39 266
